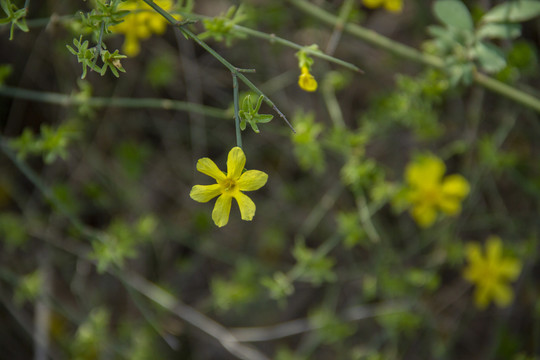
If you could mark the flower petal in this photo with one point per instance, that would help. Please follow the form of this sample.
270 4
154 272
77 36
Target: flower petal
502 294
510 268
473 253
252 180
482 296
456 186
208 167
450 205
372 4
393 5
427 170
246 205
235 163
205 193
424 215
221 211
494 250
306 81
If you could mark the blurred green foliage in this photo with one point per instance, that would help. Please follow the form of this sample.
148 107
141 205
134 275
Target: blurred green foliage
333 266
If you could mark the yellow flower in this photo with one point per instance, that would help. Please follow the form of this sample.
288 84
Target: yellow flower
491 273
390 5
306 81
428 192
141 23
229 185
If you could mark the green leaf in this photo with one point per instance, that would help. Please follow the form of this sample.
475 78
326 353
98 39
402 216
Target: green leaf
453 13
490 57
513 11
22 25
6 6
264 118
259 102
499 31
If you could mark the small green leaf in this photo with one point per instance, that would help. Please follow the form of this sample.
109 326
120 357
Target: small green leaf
453 13
264 118
499 31
490 57
71 50
254 127
246 103
6 6
259 103
22 25
513 11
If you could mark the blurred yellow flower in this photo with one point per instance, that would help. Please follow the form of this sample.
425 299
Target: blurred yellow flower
229 185
306 81
428 192
491 273
390 5
141 23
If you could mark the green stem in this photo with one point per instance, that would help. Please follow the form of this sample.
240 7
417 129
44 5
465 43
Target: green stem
100 39
275 39
508 91
410 53
221 59
344 13
70 100
236 116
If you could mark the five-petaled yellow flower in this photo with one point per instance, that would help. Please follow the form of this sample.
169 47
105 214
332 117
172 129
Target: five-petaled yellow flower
390 5
141 23
306 81
428 192
229 186
491 273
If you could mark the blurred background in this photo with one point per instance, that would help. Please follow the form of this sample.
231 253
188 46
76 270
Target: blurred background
103 254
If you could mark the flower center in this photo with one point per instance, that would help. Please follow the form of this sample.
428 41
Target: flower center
228 185
431 195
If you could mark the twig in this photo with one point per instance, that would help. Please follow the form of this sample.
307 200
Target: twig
42 319
344 12
135 103
365 218
319 211
273 38
236 114
299 326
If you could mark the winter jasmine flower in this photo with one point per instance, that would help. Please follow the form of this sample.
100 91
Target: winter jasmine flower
228 186
491 273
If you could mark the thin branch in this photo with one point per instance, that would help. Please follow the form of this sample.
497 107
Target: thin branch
236 113
26 7
134 103
276 39
344 13
299 326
